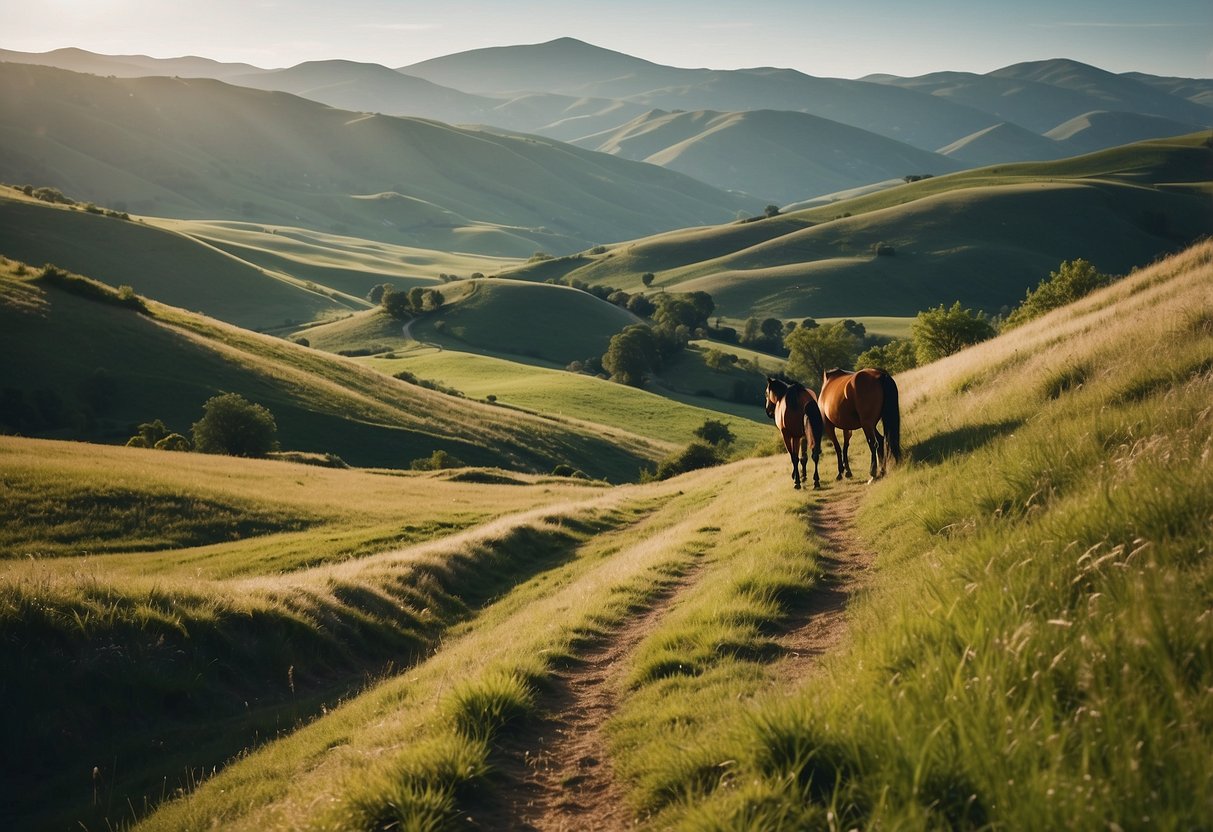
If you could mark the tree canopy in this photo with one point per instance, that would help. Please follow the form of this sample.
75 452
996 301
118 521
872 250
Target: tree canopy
233 425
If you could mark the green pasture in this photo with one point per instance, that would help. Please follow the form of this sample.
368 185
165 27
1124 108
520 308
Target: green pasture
575 397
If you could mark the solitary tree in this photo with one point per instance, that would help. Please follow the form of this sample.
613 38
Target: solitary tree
813 351
647 279
233 425
941 331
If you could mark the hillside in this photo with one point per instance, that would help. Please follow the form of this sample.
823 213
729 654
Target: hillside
778 155
1093 131
207 150
95 370
982 237
1013 592
1041 95
1006 143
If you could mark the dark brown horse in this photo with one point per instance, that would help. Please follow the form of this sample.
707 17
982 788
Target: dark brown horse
857 401
794 409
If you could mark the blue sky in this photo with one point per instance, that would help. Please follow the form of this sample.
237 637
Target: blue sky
841 38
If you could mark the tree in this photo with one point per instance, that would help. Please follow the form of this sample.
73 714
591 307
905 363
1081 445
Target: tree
1072 280
394 302
813 351
233 425
631 355
375 296
771 211
714 432
897 356
647 279
941 331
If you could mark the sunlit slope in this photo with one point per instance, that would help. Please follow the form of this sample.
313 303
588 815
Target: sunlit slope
982 237
558 324
166 364
203 149
774 155
351 265
572 396
167 266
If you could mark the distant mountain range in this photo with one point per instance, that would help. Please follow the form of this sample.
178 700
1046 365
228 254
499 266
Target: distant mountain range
201 148
776 135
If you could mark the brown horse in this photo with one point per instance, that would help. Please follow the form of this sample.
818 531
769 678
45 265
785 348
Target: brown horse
857 401
794 409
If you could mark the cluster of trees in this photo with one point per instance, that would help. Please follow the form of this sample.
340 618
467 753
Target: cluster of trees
712 446
641 349
46 409
935 333
57 197
230 424
402 305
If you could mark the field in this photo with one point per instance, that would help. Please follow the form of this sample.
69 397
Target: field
318 649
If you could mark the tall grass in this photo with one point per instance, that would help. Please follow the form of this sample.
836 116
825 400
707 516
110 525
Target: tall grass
1038 651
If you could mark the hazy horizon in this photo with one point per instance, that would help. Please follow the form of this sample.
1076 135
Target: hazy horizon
1169 37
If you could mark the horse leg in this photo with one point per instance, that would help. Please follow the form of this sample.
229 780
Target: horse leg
870 434
790 444
838 453
804 459
882 451
816 456
846 454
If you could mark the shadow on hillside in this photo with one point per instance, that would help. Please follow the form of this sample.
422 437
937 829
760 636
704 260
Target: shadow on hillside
964 440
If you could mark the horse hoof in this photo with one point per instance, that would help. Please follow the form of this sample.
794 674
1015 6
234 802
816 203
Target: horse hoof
796 486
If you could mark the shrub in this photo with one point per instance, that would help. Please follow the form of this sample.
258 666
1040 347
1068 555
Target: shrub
883 249
436 461
233 425
941 331
714 432
696 455
173 442
897 356
149 435
1072 280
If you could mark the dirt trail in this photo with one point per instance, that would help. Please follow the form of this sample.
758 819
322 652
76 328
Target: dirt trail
568 783
822 624
564 771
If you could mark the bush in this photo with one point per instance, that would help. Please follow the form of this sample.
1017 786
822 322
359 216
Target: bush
883 250
897 356
714 432
696 455
233 425
1072 280
939 332
436 461
173 442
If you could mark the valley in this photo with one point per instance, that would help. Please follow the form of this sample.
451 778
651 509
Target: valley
523 552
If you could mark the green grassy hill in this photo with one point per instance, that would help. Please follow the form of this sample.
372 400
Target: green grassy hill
170 267
165 364
1039 572
556 324
202 149
982 237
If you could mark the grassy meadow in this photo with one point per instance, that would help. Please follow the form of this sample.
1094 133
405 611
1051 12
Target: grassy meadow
1031 648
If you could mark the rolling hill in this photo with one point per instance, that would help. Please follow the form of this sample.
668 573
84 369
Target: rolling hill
779 155
982 237
1096 130
202 149
58 346
1005 143
1033 572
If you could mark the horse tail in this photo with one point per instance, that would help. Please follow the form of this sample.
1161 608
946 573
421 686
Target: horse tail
890 414
812 416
